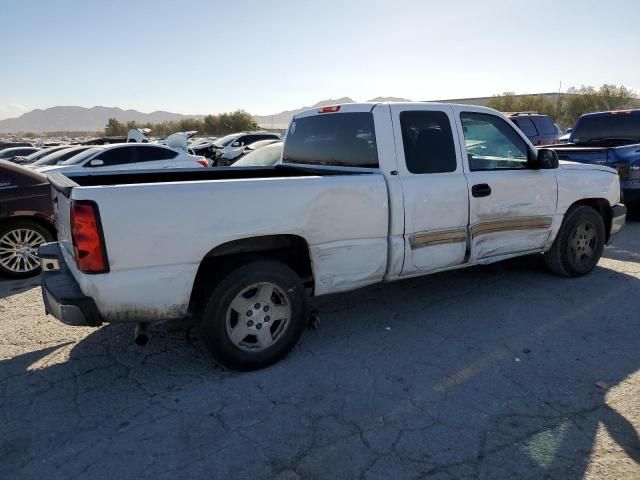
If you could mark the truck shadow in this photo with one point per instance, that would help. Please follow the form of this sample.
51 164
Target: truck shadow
500 371
9 286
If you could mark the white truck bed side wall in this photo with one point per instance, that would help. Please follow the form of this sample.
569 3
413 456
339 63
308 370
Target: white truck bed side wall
344 219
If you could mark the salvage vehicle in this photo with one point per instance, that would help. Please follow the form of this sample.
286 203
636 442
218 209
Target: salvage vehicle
59 156
232 156
35 156
10 153
17 143
237 141
263 157
26 219
539 129
129 156
611 139
366 193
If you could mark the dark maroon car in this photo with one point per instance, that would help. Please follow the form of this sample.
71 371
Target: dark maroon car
26 219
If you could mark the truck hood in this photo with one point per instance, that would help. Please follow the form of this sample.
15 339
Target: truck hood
566 165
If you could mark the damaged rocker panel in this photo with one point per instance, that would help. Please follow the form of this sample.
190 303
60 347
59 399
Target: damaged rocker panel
420 240
510 224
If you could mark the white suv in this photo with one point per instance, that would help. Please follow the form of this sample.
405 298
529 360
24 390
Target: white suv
237 141
126 156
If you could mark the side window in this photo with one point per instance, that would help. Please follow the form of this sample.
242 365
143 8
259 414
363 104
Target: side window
152 154
249 139
428 142
546 126
492 143
117 156
527 126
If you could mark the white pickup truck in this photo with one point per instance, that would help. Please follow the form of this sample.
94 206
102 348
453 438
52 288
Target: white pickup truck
366 193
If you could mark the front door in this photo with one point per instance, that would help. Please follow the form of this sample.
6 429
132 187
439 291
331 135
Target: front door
433 185
511 206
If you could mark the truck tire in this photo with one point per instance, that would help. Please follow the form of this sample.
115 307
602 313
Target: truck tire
19 242
579 243
255 315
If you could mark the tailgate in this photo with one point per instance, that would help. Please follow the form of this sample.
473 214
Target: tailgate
589 155
61 188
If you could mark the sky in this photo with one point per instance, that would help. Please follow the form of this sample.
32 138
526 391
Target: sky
210 56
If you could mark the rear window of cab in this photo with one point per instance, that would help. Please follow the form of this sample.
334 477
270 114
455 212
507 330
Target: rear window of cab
339 139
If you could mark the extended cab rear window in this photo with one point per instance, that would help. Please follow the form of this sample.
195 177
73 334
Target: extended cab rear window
340 139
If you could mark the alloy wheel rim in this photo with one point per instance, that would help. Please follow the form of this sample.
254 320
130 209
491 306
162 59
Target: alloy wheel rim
258 317
19 250
583 242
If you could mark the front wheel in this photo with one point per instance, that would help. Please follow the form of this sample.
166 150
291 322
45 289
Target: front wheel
255 315
579 243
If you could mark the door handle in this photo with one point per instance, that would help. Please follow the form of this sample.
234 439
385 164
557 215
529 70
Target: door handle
481 190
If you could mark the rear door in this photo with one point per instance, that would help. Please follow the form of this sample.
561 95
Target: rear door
434 187
511 207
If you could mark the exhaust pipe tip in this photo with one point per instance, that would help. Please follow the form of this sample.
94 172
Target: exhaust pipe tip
140 336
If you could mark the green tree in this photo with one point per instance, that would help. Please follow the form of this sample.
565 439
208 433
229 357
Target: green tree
114 127
507 102
209 125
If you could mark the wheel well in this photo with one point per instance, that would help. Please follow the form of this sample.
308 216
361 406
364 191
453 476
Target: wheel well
602 206
292 250
30 218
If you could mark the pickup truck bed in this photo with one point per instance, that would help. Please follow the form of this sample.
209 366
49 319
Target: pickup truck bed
176 219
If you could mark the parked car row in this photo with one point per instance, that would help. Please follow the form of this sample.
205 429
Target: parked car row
26 218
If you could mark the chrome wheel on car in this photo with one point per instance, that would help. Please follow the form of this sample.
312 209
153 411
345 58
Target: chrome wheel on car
19 250
583 242
258 316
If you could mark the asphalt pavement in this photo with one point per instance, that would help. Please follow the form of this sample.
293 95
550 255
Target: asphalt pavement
494 372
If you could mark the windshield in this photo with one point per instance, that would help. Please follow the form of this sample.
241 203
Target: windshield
266 156
224 141
622 127
43 153
81 157
58 157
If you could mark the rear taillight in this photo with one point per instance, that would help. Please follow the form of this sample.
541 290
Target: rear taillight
203 162
88 241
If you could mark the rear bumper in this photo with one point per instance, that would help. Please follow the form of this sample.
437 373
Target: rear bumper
618 218
61 294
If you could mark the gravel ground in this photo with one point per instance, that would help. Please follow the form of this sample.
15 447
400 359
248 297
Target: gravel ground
497 372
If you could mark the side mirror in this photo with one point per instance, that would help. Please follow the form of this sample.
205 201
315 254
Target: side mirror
235 144
546 159
96 163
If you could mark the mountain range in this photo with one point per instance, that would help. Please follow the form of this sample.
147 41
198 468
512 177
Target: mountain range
69 119
78 119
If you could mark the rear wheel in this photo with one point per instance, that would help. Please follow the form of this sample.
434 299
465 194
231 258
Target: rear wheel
579 243
255 315
19 242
